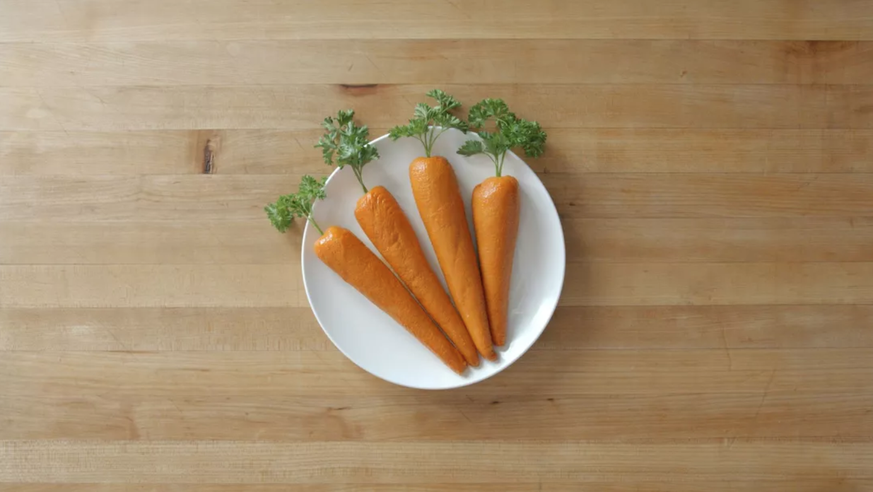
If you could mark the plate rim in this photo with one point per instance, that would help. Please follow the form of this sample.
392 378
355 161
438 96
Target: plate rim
466 381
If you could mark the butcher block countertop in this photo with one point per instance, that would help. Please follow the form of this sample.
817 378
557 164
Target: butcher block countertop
711 161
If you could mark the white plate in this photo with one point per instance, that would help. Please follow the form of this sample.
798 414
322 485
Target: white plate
374 341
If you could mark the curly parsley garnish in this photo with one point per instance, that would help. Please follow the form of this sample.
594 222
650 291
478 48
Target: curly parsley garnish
429 122
346 143
299 204
510 132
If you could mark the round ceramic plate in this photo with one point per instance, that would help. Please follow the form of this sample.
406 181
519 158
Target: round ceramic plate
374 341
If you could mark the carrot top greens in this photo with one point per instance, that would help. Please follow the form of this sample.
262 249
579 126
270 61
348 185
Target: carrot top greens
426 120
299 204
347 143
510 132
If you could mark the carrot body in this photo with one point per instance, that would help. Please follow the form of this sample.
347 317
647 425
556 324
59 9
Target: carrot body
441 207
495 219
384 222
346 255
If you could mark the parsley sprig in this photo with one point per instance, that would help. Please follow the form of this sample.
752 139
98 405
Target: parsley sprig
347 143
426 119
510 132
299 204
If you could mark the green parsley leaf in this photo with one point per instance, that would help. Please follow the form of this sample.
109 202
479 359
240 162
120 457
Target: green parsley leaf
509 132
429 122
490 108
472 147
346 144
297 205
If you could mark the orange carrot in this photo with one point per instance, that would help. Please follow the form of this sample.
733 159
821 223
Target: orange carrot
442 210
384 222
496 203
439 202
495 219
346 255
388 228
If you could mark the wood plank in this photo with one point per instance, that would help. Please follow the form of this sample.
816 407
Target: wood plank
803 239
25 108
81 153
552 373
587 284
439 417
92 20
107 153
695 485
150 285
709 195
572 328
164 329
150 198
218 199
219 462
576 150
464 61
708 327
250 242
850 108
658 284
297 107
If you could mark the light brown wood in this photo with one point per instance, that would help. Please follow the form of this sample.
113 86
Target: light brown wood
574 150
712 163
213 199
620 284
548 61
400 418
710 195
628 240
401 462
297 107
217 199
808 485
149 285
89 20
289 329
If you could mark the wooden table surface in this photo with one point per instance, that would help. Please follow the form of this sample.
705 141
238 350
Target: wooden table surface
712 163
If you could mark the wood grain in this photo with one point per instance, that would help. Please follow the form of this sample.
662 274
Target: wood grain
575 150
189 462
711 162
211 242
621 284
90 20
160 198
572 328
424 418
729 485
626 240
589 284
131 375
723 240
710 195
208 198
296 107
149 285
514 61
